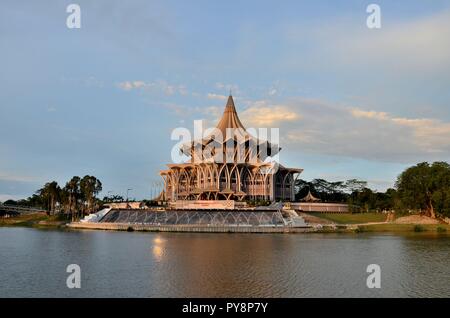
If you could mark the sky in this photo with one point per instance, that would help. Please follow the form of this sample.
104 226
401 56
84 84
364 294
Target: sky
350 102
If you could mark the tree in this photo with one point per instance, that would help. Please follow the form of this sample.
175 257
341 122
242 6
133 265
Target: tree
113 198
323 189
90 186
10 202
50 194
73 195
426 187
355 185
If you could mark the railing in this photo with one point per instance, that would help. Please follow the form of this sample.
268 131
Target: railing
20 209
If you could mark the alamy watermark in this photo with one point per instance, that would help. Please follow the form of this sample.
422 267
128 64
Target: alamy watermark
374 278
73 20
374 19
74 279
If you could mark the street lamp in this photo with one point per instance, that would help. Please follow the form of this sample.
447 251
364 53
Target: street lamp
109 196
127 193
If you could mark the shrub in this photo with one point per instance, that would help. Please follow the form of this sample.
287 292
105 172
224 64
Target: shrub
418 228
441 229
359 229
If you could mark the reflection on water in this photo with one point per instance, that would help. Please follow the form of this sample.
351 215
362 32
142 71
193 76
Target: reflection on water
122 264
158 248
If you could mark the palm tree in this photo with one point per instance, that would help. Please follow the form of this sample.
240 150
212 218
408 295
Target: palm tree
73 195
90 186
50 195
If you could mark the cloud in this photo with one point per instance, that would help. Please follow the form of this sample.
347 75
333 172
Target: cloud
316 126
422 44
358 113
418 45
216 96
16 178
326 128
430 135
159 86
261 114
128 86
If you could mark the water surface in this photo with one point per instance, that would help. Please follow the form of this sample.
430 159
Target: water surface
121 264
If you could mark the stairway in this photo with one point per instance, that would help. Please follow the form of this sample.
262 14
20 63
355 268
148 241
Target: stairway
95 217
295 220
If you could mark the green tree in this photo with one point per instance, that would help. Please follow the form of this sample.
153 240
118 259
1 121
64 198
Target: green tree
90 186
355 185
426 188
50 194
73 194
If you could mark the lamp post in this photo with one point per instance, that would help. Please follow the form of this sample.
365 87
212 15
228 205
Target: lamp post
127 193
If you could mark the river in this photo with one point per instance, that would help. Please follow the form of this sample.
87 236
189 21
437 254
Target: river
33 263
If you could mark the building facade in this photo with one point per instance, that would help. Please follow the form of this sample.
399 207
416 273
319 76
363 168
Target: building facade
230 167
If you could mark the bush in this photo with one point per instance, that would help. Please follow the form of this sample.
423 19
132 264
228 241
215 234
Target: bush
418 228
441 229
359 229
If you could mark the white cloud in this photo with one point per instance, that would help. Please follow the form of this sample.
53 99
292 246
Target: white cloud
127 86
263 114
319 127
430 135
416 45
160 86
216 96
325 128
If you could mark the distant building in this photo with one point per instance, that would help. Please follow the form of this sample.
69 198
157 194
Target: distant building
309 198
126 205
244 176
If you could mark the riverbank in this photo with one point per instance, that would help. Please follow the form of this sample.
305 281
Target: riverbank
36 220
374 222
325 223
188 228
328 228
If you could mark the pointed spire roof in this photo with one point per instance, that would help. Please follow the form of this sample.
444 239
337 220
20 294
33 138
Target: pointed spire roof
230 118
309 197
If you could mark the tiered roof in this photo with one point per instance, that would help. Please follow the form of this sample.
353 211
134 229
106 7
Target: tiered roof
230 120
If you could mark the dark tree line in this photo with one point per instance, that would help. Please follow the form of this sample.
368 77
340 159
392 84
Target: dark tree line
76 198
354 192
326 191
423 188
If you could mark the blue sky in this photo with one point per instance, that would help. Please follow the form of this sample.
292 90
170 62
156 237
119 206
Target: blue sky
350 102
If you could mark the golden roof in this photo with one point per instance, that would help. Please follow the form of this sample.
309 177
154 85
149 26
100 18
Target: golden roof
230 118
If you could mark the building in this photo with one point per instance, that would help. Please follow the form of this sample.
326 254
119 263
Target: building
234 168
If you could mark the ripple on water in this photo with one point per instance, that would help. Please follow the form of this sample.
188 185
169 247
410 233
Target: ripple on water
120 264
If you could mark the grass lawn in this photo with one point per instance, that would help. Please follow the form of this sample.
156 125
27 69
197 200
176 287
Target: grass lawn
349 218
438 228
29 219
